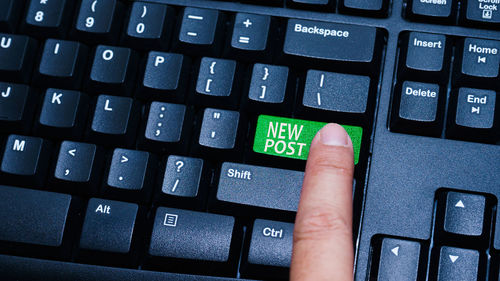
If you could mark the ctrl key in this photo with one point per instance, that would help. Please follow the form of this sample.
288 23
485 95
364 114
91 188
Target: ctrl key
269 250
193 242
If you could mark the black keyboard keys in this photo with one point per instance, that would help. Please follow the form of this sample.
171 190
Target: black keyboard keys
425 56
269 91
10 12
352 48
130 175
335 93
478 61
202 238
16 107
114 121
270 249
165 77
199 31
184 182
376 8
250 38
25 161
418 108
63 113
167 127
17 53
98 21
113 70
149 26
399 260
34 220
108 227
472 115
78 168
62 64
458 264
432 11
48 17
464 214
322 5
216 83
485 13
219 132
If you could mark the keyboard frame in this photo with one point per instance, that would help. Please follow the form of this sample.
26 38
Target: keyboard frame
401 166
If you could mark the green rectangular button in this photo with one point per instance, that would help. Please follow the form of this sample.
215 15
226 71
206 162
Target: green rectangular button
291 138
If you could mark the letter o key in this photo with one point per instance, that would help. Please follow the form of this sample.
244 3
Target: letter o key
107 55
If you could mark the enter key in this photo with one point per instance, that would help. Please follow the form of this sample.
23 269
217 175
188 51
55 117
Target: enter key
291 138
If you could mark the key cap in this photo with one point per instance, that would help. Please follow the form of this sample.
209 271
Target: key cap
464 214
149 26
25 161
243 188
108 227
45 18
269 89
62 64
114 121
425 56
472 115
457 264
351 47
418 108
63 113
113 70
481 13
217 83
202 238
167 128
17 106
35 221
375 8
270 249
249 40
17 53
219 136
399 260
165 77
342 95
321 5
478 61
291 138
78 168
200 32
432 11
130 175
184 182
10 12
98 21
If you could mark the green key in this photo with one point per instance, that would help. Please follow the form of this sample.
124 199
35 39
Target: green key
291 138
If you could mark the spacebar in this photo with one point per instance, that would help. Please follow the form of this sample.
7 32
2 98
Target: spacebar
21 268
258 186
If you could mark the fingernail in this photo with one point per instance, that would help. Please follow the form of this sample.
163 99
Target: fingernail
334 135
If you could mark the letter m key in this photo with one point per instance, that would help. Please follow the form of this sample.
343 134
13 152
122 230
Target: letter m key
18 145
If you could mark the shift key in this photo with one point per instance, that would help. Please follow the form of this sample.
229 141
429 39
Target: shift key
352 46
261 187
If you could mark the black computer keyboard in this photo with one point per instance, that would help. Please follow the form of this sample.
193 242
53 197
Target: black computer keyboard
166 139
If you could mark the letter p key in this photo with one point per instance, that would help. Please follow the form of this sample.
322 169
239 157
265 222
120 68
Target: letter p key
159 60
